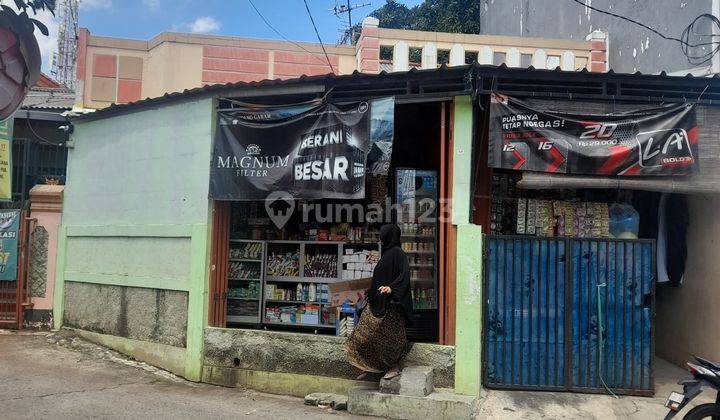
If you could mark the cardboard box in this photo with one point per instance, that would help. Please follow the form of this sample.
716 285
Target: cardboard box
351 290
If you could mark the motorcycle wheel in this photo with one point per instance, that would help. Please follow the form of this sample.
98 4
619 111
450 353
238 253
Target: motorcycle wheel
704 411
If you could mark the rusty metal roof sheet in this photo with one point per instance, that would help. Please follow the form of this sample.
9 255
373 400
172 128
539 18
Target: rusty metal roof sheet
523 81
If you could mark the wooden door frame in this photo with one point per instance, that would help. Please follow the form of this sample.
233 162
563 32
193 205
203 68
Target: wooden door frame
219 248
446 244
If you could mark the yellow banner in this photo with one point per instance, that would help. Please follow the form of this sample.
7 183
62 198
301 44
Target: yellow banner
6 132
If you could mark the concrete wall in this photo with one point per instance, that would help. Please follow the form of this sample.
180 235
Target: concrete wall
632 48
299 364
172 62
687 315
133 245
146 314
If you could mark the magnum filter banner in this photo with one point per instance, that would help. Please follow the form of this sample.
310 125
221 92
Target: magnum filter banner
659 141
308 152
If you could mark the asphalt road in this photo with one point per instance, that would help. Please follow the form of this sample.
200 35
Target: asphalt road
55 376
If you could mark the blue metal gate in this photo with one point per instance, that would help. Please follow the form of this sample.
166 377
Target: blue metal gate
542 317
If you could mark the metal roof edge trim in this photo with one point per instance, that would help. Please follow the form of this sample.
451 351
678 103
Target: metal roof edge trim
268 86
475 71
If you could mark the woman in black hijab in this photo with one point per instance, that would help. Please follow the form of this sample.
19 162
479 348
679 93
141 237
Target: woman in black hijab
379 341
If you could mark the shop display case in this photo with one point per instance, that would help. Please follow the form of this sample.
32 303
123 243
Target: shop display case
416 193
297 274
244 273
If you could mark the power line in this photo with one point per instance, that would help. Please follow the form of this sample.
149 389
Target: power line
318 36
684 39
269 25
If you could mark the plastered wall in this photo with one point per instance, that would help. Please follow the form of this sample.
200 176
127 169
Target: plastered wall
687 316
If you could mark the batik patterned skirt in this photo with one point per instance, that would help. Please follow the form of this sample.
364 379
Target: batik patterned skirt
377 343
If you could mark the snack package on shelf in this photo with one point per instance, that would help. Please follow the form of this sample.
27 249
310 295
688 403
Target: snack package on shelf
599 214
243 271
250 291
283 265
521 216
358 264
250 251
544 219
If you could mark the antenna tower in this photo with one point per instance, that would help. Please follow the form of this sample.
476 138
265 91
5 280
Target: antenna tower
64 63
341 7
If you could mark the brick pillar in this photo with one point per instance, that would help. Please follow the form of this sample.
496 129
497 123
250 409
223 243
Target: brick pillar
45 209
598 62
368 47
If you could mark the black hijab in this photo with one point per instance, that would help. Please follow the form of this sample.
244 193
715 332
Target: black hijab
392 270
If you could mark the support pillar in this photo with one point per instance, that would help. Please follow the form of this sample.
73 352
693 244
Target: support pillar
468 278
368 47
46 210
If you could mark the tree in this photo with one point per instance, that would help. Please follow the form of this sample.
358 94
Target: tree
457 16
19 52
394 15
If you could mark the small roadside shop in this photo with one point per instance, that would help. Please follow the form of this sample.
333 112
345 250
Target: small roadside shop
174 249
584 196
299 208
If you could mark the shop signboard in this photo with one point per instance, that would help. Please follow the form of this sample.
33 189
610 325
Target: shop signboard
9 226
6 135
309 152
659 141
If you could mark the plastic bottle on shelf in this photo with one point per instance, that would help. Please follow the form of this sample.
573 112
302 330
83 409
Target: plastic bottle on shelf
299 292
312 293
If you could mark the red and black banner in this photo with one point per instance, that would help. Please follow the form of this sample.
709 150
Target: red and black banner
657 141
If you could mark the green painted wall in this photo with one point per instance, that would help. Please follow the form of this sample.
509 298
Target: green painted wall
468 276
136 210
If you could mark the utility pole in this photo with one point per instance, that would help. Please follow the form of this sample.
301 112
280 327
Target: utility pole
347 35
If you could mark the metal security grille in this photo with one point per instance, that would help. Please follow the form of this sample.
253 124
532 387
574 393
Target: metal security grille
542 320
34 162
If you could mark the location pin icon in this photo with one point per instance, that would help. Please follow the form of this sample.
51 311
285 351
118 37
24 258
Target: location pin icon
279 205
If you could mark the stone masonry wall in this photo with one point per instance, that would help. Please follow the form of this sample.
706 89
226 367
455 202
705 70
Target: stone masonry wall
155 315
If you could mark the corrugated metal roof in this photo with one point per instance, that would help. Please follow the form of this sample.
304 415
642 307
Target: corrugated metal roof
49 98
657 83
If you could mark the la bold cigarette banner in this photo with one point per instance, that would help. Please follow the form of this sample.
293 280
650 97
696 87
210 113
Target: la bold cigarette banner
310 152
659 141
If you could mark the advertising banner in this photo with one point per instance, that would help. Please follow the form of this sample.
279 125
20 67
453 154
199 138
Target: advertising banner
9 226
6 135
309 152
659 141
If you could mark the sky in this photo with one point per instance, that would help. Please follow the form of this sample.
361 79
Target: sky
143 19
